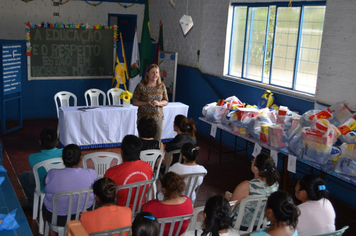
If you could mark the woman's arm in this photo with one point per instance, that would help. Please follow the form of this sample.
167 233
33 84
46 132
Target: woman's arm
140 103
159 103
240 192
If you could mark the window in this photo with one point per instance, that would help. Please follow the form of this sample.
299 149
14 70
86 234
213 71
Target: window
276 44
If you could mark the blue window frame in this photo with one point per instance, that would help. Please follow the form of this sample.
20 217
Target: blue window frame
277 44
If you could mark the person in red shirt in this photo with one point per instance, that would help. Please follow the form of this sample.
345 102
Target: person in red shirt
132 169
174 203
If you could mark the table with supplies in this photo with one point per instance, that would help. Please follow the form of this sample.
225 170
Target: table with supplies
106 126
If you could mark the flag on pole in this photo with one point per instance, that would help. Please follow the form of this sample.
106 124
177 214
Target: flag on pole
121 71
160 41
146 47
135 76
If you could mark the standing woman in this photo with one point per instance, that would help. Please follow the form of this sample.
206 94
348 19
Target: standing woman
150 96
317 214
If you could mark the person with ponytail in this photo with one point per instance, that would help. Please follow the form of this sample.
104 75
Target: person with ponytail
173 204
185 129
189 154
282 213
265 181
317 214
108 215
217 220
145 224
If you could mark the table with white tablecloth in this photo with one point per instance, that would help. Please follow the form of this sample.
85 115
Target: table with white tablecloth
106 126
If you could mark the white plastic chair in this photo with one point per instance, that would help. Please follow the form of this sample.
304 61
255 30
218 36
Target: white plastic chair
94 96
192 184
38 196
118 232
257 216
115 94
134 197
335 233
78 198
63 98
169 158
101 161
172 221
150 156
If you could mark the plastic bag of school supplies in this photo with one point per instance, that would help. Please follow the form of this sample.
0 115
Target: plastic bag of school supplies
215 113
341 113
350 137
206 107
346 163
265 117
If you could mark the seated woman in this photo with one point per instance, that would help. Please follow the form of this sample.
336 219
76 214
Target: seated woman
282 213
185 129
147 129
217 220
317 214
69 178
265 182
108 215
145 224
189 153
174 204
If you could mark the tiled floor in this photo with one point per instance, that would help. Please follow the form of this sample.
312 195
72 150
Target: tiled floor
221 177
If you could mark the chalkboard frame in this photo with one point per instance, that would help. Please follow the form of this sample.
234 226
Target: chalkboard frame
29 63
160 60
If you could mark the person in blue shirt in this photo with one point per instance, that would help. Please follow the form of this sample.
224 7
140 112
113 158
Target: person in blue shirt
48 141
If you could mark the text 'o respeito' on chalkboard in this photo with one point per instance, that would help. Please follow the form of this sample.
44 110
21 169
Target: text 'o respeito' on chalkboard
71 52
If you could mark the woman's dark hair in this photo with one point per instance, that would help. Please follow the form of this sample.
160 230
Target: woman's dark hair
190 151
217 211
173 184
185 125
267 168
283 208
147 127
131 148
145 224
146 79
314 186
71 155
105 190
48 138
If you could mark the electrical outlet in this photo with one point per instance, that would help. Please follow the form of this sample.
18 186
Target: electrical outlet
55 13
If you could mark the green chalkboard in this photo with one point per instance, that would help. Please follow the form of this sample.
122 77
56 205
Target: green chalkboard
70 53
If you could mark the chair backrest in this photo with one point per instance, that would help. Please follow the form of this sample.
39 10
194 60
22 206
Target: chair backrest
94 95
176 221
192 184
101 161
53 163
75 228
335 233
258 214
150 156
170 157
135 198
63 98
77 200
115 94
118 232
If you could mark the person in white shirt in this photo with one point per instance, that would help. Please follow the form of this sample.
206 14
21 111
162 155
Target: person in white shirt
189 154
217 220
317 214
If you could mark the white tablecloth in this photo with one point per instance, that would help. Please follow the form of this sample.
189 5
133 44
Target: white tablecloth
108 125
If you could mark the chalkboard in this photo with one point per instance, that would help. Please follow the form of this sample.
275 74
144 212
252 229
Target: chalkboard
167 62
71 53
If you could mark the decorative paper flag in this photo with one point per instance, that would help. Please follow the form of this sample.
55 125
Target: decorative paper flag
135 76
121 71
256 150
8 221
2 169
292 164
213 129
146 47
160 41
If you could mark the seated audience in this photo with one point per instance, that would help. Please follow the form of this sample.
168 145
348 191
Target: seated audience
147 128
282 213
317 215
217 220
145 224
265 182
174 204
185 129
108 215
132 169
70 178
48 141
189 154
